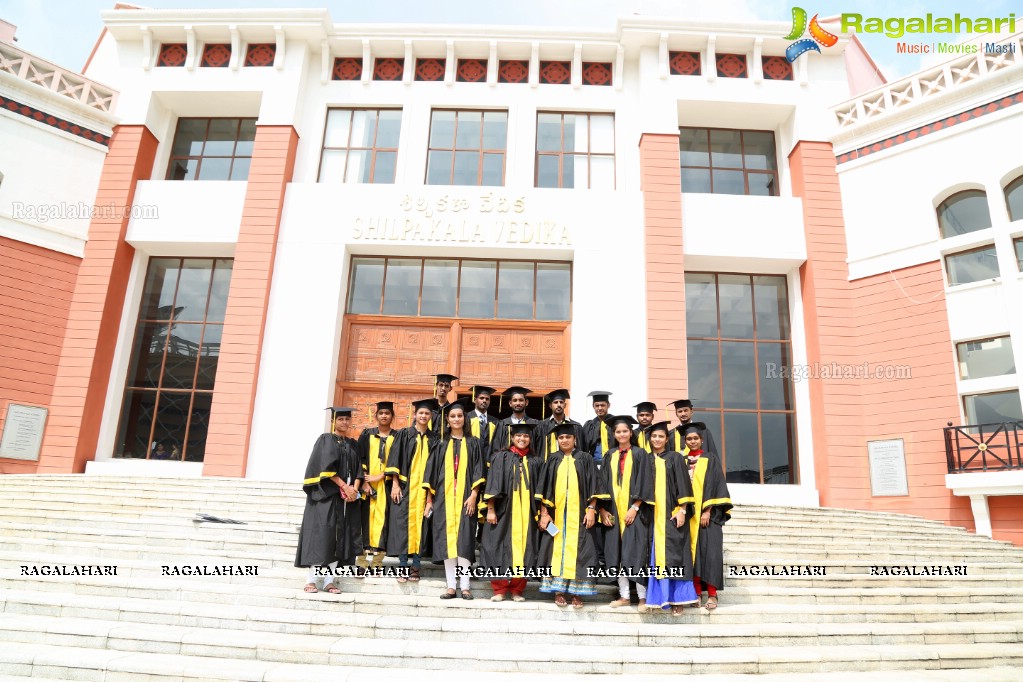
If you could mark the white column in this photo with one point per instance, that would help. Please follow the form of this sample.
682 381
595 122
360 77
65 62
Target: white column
981 514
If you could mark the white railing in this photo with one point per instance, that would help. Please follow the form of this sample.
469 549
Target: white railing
929 83
32 69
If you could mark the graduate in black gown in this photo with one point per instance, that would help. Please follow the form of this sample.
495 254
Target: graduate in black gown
545 437
712 501
480 424
676 438
597 438
407 532
629 511
441 389
374 448
517 399
671 555
645 412
453 480
331 532
569 490
510 533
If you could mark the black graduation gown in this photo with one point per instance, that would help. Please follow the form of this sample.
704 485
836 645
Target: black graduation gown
331 528
545 430
453 533
591 436
628 547
677 440
486 436
709 492
672 489
373 454
439 421
640 438
407 532
511 482
572 553
502 435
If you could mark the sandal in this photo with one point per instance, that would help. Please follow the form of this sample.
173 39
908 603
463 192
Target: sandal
677 610
402 579
619 602
559 600
450 594
467 595
413 576
331 588
577 603
712 603
310 588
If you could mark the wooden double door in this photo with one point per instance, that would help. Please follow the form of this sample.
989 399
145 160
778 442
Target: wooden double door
396 358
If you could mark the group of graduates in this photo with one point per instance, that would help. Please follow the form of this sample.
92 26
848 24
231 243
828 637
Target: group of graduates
618 497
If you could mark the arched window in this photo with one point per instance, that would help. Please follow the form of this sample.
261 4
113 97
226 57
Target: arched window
964 212
1014 198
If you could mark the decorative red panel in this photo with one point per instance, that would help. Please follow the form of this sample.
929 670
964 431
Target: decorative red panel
364 402
396 354
172 54
347 69
260 54
555 73
513 71
388 68
216 55
777 69
430 69
471 71
731 65
684 63
596 73
500 357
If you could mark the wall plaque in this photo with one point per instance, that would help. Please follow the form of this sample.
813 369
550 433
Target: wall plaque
23 432
887 468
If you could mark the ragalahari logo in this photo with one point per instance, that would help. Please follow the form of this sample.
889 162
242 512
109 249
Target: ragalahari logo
818 36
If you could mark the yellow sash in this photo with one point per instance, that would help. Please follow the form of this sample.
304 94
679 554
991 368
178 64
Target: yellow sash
621 491
454 488
378 504
521 520
566 513
416 492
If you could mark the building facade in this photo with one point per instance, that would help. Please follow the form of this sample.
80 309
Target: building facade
330 214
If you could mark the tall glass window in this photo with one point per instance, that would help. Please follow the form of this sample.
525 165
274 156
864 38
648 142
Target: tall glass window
360 145
739 353
985 358
173 367
975 265
963 212
575 150
993 408
722 161
212 149
467 148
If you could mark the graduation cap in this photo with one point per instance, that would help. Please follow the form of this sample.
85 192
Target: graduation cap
565 428
510 392
658 426
684 402
464 404
482 390
521 428
429 403
385 405
621 419
446 378
599 396
557 394
699 427
645 406
336 412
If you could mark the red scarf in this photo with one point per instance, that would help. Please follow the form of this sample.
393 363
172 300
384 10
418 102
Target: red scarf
621 462
517 451
693 456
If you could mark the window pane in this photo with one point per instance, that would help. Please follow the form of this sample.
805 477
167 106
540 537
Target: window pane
987 358
189 137
694 147
438 168
993 408
742 449
339 124
358 166
183 169
158 295
223 134
736 303
495 130
704 377
440 283
246 137
401 288
602 134
759 150
367 283
388 128
1019 254
193 290
515 291
725 149
553 291
332 165
775 364
240 168
547 170
171 422
198 427
696 181
147 356
576 133
386 165
215 168
779 441
701 305
363 128
738 375
136 423
728 182
602 172
772 305
714 422
964 212
468 131
182 355
972 266
493 170
442 129
577 173
209 354
548 132
221 288
762 184
477 289
1014 200
467 168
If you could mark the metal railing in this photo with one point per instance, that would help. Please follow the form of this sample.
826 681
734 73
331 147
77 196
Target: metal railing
984 447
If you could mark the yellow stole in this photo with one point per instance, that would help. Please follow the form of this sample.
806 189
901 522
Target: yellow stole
678 442
378 504
603 439
521 522
642 440
416 492
454 489
566 512
621 491
474 427
699 473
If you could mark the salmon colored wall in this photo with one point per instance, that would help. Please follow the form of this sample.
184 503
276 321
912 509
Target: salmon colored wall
891 319
227 442
667 377
35 295
96 305
1007 518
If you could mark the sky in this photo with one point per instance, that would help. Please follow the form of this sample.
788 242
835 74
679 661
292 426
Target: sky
64 31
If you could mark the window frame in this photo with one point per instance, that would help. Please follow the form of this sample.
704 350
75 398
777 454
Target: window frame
745 171
960 362
454 149
561 153
372 150
206 135
953 196
1017 246
1016 185
975 249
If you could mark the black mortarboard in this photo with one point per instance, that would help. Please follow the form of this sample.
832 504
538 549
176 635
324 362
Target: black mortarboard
599 396
513 390
477 390
699 427
521 428
429 403
385 405
464 404
447 378
557 394
658 426
336 412
645 406
623 418
564 428
684 402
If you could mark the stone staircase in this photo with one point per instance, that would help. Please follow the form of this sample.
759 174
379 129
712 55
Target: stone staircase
141 625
